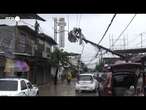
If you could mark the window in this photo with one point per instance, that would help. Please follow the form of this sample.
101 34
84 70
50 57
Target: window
29 85
48 50
21 43
23 33
23 85
7 85
41 42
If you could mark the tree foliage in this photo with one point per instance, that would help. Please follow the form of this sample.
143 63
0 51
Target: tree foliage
59 58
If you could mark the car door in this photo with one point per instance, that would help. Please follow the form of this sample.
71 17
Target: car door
24 88
30 89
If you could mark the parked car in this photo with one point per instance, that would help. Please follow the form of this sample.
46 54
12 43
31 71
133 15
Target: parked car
17 87
86 82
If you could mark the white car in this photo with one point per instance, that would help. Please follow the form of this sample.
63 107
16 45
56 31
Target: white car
86 82
17 87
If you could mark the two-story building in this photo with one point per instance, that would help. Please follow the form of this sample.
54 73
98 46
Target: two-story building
31 52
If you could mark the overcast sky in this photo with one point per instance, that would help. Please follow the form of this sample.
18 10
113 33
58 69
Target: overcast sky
93 27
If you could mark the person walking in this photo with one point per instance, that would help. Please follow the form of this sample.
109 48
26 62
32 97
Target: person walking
69 77
62 78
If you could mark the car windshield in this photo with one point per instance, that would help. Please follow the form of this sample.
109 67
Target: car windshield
85 78
6 85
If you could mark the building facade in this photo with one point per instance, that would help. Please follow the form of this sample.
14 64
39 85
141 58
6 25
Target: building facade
29 48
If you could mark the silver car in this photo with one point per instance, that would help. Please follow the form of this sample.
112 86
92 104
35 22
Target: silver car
86 82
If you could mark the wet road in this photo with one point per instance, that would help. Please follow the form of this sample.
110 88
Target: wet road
62 89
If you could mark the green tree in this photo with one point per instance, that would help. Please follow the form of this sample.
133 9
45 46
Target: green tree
59 58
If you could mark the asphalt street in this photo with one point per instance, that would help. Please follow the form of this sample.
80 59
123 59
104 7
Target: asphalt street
62 89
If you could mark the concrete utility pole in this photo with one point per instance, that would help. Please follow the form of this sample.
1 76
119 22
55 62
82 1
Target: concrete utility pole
101 56
55 29
127 41
61 25
111 42
141 39
124 43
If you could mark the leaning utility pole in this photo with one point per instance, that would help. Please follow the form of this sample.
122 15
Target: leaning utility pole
75 34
